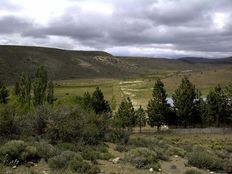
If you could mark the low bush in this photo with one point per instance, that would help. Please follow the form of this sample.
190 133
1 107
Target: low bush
62 161
121 148
105 156
204 159
83 167
228 166
161 153
90 155
115 135
143 158
75 147
73 161
2 169
16 152
143 142
153 144
176 151
103 148
46 150
192 171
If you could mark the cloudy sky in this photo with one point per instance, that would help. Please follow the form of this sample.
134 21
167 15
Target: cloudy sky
157 28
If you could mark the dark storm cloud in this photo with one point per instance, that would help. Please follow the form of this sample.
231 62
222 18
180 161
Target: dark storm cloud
11 24
185 25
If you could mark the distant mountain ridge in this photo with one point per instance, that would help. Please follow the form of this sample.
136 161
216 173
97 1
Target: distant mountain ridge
69 64
206 60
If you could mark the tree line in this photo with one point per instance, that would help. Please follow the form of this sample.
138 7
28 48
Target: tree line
189 108
37 90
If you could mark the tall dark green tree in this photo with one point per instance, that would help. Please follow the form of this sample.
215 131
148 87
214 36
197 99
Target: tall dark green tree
24 92
4 94
216 107
198 111
184 102
202 111
99 104
141 118
229 98
40 85
125 115
157 108
50 92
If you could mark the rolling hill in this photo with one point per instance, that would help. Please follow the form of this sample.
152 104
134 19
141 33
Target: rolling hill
67 64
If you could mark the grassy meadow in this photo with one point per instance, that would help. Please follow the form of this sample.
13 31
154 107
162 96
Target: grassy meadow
140 89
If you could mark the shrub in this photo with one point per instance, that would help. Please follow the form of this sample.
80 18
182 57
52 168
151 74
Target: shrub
103 148
66 125
228 166
73 161
35 123
46 150
93 153
105 156
89 154
63 146
203 159
40 119
62 161
115 135
121 148
2 168
161 153
177 151
76 125
145 142
91 133
192 171
143 158
16 152
83 167
8 123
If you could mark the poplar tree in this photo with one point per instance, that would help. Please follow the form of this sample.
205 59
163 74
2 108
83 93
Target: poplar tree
16 89
24 91
39 86
50 94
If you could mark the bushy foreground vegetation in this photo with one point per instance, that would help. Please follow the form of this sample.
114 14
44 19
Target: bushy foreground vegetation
72 137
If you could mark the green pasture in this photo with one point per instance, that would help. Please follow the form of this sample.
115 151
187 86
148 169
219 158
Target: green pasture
140 89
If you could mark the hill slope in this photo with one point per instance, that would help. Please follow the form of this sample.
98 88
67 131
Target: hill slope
61 64
66 64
